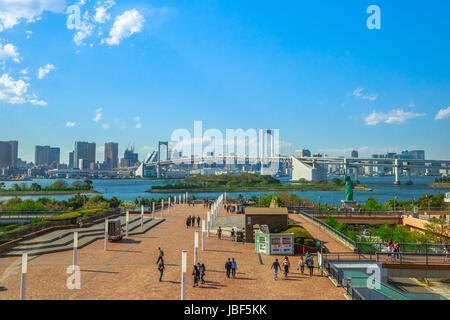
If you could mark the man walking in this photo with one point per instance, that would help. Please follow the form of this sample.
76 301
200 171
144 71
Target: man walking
275 266
228 267
311 266
198 221
160 255
301 264
233 268
161 268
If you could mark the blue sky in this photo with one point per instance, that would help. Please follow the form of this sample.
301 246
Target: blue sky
137 70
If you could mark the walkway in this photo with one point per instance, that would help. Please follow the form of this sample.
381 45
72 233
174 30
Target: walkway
128 271
330 243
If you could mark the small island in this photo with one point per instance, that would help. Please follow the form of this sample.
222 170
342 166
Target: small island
59 187
441 183
246 182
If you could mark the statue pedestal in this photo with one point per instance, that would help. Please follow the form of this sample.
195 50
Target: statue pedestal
348 204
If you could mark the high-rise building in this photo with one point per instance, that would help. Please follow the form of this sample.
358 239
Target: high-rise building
302 153
54 156
130 158
71 160
354 154
8 153
41 155
417 154
83 150
112 155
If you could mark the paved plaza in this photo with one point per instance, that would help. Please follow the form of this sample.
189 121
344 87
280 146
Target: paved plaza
128 270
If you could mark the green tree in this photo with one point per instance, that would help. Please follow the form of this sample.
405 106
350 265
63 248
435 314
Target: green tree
59 184
438 230
35 187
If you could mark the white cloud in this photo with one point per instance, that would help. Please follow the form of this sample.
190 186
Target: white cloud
124 26
9 51
86 29
38 102
70 124
43 71
13 11
137 118
139 125
442 114
98 115
105 126
24 71
395 116
101 12
358 93
12 91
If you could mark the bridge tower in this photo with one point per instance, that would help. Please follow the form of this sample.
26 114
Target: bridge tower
158 168
396 173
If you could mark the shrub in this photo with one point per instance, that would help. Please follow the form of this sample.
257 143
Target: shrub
9 227
310 243
65 216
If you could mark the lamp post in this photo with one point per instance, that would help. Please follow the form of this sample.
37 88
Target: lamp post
142 216
75 247
24 275
162 208
195 247
153 210
106 234
203 234
183 274
127 219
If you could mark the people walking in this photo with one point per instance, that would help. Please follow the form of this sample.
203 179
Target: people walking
232 233
219 233
275 266
228 267
188 222
160 255
301 265
198 221
311 266
196 274
286 264
202 273
161 268
233 268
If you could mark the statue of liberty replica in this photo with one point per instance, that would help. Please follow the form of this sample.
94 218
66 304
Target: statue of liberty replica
349 185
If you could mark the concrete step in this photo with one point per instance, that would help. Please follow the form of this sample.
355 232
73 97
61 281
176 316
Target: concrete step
84 240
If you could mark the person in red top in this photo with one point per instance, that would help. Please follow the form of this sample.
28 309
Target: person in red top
286 264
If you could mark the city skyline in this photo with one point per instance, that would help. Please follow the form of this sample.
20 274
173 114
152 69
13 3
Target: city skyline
313 70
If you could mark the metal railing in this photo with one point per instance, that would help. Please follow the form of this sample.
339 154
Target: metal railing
413 258
374 247
330 229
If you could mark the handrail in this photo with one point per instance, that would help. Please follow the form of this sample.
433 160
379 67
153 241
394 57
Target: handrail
338 234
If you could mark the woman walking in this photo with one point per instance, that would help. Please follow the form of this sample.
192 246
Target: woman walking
286 264
196 274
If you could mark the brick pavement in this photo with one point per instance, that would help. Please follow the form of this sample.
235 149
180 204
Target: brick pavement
127 270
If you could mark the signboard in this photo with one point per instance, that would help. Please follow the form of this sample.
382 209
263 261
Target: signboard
281 244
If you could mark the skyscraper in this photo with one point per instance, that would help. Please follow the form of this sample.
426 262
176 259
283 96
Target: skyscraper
354 154
8 153
41 155
112 154
71 160
83 150
54 155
